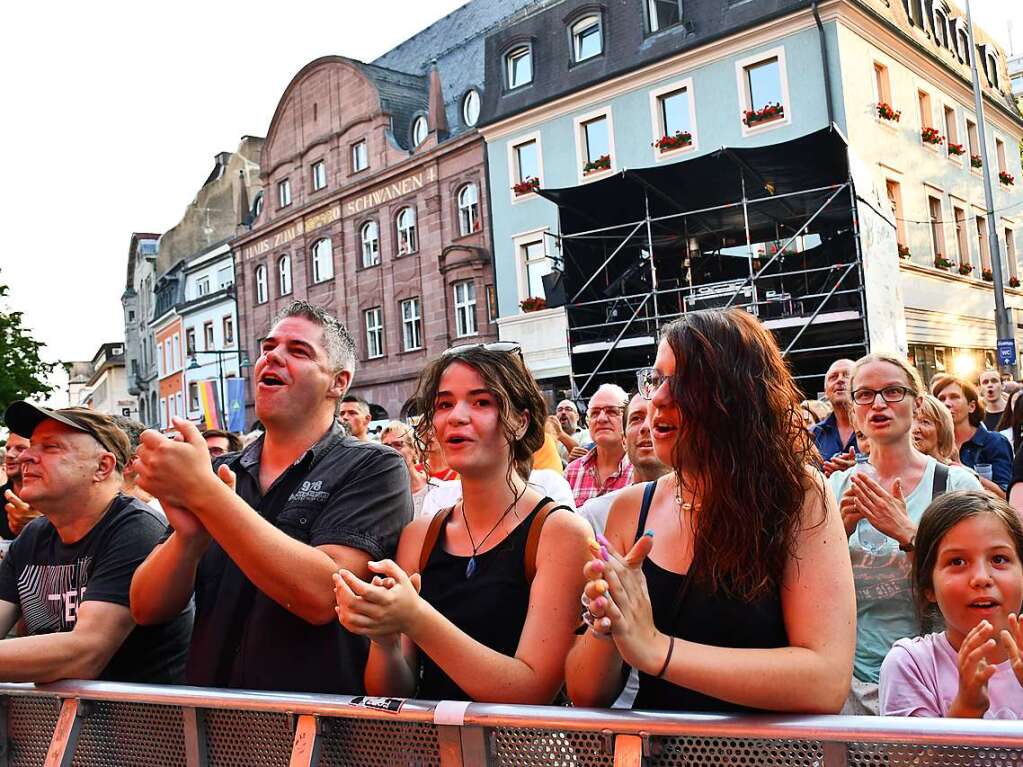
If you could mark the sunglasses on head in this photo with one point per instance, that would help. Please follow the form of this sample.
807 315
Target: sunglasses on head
494 346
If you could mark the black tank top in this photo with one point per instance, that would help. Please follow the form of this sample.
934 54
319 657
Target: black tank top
490 606
703 617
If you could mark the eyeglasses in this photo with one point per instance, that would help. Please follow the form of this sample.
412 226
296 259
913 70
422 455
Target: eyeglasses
890 394
648 380
494 346
611 411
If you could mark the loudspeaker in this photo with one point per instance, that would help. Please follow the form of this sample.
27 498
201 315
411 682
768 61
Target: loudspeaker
554 288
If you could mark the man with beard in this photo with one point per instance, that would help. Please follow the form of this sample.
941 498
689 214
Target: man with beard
835 435
310 501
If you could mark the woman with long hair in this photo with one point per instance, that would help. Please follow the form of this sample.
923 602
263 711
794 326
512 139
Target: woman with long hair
482 601
881 505
736 591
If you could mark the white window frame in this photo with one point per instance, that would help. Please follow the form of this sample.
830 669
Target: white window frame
319 175
209 336
420 122
164 415
468 213
980 213
284 193
322 263
465 310
370 247
176 352
411 324
180 400
407 237
373 320
744 95
580 144
284 286
957 159
227 328
657 127
580 26
360 156
202 286
189 337
939 195
509 57
513 164
524 238
194 404
964 207
262 292
651 17
1012 259
472 93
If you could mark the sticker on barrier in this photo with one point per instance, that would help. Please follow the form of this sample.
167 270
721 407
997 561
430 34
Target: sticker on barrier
390 705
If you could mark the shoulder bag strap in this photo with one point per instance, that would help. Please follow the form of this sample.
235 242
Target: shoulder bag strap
940 484
533 538
432 534
644 509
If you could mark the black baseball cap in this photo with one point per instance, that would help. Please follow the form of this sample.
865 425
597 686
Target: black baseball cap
23 417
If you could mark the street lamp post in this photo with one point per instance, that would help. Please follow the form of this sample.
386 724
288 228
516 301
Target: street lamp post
243 362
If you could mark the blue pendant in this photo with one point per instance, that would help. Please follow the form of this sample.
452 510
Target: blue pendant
470 569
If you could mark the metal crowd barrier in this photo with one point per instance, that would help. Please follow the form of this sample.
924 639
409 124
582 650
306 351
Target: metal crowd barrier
95 724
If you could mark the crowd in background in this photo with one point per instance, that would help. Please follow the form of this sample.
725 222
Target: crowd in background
707 542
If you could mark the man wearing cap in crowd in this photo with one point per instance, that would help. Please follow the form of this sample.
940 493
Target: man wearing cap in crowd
69 572
310 500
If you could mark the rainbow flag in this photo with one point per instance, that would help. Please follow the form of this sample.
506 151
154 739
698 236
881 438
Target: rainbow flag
209 401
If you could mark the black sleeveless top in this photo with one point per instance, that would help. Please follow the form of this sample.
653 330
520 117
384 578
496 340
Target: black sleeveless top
490 606
690 611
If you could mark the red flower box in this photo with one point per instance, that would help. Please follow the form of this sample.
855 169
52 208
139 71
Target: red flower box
963 269
940 262
1014 282
987 275
975 161
886 112
904 252
1005 178
769 112
931 136
956 149
526 186
680 139
601 163
533 304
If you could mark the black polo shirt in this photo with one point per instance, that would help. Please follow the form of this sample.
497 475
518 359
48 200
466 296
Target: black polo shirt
341 491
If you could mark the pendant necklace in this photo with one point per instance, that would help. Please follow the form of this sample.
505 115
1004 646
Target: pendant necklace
470 569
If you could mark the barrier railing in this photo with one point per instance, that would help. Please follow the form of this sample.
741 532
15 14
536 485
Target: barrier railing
95 724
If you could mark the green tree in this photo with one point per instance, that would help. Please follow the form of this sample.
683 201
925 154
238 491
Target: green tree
22 373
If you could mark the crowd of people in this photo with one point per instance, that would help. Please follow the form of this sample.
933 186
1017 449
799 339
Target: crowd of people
708 542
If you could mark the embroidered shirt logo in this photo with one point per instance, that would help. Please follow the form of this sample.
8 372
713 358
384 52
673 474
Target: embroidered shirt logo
310 491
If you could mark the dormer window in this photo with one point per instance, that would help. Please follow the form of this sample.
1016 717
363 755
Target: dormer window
662 14
471 108
420 130
990 65
519 67
587 38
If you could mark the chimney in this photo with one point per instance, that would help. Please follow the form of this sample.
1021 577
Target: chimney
438 119
243 200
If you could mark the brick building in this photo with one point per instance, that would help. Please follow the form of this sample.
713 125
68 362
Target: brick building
374 205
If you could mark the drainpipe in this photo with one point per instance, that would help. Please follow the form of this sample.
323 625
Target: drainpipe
824 62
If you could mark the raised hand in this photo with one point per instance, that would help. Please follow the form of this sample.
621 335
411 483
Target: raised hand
850 511
174 470
840 462
974 672
19 513
885 511
1012 641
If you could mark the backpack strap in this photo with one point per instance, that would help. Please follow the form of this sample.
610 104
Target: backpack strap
533 538
644 509
432 535
940 484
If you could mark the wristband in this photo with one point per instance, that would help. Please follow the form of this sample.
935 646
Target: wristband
667 658
909 546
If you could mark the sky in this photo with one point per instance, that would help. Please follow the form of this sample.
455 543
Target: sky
114 112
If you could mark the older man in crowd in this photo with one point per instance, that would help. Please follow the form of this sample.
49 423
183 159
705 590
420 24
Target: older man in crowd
606 467
355 412
68 573
310 500
573 438
835 435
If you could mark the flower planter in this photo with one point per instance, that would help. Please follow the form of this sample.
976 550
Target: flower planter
975 161
679 140
931 136
963 269
1005 178
767 113
940 262
526 186
904 253
595 166
1014 282
987 275
532 304
886 112
956 149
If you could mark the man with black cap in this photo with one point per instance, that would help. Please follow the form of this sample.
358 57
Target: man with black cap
69 572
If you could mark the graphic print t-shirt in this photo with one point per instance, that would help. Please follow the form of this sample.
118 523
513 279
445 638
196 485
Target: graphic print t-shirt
49 580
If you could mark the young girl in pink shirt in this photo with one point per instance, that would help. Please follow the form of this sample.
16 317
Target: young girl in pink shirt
967 564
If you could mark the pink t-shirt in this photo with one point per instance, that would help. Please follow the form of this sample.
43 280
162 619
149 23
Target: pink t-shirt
920 677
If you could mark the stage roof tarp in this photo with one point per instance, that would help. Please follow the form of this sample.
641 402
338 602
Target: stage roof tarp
813 161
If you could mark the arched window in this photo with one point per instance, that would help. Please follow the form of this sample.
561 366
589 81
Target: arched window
420 130
406 224
468 209
283 275
323 260
370 236
587 39
261 293
471 108
518 66
257 205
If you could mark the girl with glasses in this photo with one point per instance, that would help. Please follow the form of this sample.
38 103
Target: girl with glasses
735 593
482 603
881 504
